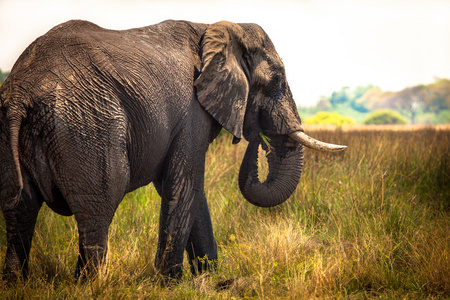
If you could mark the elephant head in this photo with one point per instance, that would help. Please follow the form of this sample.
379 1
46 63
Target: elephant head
243 86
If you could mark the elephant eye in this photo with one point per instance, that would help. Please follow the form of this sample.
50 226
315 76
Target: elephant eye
246 65
277 87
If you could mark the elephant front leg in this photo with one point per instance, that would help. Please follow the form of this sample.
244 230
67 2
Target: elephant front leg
201 247
176 219
185 223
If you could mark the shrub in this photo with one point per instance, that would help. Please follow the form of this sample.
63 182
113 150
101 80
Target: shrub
324 117
443 117
385 116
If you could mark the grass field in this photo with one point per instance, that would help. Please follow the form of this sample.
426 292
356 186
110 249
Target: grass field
370 222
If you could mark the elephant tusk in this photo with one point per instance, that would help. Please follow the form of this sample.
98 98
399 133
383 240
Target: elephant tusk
304 139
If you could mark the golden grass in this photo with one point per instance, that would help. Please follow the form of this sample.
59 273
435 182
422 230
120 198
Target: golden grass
360 127
369 222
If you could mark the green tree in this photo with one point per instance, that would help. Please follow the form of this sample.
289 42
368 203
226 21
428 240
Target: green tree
359 92
409 101
339 97
385 116
437 96
3 76
443 117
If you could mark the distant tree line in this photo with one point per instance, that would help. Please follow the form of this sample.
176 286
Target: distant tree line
426 104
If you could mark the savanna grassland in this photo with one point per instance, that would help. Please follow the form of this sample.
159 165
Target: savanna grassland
370 222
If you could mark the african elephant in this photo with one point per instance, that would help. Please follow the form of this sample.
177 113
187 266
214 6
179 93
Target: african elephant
90 114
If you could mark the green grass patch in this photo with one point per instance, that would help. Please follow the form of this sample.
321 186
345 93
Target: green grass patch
369 222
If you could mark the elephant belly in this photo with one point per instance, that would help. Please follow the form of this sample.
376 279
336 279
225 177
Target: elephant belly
53 197
60 206
146 165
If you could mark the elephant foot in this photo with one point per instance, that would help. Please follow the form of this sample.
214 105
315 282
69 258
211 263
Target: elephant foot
90 262
10 276
202 265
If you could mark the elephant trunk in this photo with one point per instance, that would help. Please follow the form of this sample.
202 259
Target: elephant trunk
285 169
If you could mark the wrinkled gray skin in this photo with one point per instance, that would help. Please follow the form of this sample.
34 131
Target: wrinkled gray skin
88 115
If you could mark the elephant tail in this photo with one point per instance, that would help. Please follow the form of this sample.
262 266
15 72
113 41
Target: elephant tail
15 117
14 128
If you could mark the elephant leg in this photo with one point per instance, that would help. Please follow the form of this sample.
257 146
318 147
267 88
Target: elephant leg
202 247
91 172
93 228
174 227
178 210
185 224
20 222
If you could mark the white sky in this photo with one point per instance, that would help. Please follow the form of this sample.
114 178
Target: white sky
325 44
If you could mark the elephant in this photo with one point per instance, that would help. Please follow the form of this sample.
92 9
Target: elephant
89 114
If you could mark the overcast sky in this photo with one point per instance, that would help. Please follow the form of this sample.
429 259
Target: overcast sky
325 44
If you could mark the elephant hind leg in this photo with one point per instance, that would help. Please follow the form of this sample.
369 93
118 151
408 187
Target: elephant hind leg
93 224
91 172
93 246
20 223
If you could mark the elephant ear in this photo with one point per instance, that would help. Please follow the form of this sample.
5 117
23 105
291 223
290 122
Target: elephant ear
222 87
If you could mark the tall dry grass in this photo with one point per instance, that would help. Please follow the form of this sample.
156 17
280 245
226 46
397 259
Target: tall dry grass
370 222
